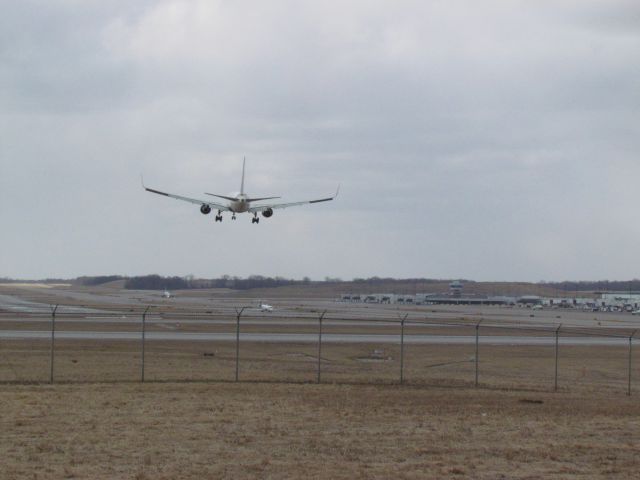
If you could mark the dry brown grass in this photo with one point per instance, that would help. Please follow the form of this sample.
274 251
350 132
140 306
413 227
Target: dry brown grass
192 421
437 427
256 430
584 369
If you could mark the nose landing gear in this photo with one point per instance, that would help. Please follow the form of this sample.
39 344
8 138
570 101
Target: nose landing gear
255 218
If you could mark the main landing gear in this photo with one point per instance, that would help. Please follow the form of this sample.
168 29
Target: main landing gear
218 217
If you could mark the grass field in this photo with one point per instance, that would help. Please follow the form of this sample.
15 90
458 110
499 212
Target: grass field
580 368
190 420
586 369
258 430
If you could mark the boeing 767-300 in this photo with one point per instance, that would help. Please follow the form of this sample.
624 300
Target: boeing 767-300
239 202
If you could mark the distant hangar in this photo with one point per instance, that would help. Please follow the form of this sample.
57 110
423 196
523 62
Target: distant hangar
454 297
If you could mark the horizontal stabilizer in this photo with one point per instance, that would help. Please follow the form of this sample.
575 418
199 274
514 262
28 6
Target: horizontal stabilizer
258 199
231 199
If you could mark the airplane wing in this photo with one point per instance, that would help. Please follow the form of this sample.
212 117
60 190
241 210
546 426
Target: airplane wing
213 205
260 208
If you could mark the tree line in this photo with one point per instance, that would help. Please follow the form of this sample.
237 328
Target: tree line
158 282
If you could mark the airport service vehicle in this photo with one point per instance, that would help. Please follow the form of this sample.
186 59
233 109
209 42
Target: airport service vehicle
239 202
635 312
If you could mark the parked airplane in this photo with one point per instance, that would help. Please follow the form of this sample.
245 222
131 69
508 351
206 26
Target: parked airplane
239 202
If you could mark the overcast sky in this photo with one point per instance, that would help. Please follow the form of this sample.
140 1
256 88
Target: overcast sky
494 140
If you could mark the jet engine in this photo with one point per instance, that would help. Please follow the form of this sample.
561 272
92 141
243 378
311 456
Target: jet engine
267 212
205 209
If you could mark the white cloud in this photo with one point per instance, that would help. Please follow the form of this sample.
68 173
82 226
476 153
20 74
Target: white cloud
482 140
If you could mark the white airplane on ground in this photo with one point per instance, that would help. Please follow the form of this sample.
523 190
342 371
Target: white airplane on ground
166 294
265 307
239 202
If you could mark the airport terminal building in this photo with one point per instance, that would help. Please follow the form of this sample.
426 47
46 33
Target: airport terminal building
455 296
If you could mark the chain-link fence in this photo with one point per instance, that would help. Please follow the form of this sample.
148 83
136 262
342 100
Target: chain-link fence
146 345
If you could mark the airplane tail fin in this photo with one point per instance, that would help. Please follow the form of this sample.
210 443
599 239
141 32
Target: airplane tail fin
244 159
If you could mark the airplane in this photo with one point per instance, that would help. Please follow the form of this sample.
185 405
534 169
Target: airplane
166 294
265 307
239 202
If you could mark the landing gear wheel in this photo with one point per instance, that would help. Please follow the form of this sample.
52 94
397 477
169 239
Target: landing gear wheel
255 220
233 217
218 218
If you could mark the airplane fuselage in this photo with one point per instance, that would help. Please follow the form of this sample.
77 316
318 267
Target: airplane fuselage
240 204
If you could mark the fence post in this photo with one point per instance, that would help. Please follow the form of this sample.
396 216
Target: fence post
320 342
477 349
402 320
144 329
238 315
555 378
53 340
630 343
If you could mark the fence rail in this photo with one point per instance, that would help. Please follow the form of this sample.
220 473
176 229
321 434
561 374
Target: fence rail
312 348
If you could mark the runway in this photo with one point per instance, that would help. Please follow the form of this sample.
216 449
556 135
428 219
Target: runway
313 338
113 306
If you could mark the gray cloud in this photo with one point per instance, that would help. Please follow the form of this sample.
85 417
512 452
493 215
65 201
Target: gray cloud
493 140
